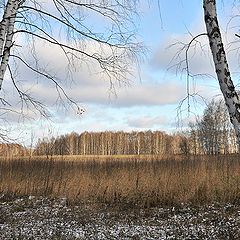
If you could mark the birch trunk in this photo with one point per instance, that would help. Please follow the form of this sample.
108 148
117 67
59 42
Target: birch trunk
221 66
4 24
6 35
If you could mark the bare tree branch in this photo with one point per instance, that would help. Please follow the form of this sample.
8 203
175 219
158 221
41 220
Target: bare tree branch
65 24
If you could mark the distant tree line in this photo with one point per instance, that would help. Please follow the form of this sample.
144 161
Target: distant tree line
111 143
211 134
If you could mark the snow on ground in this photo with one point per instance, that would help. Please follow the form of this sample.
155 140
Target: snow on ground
43 218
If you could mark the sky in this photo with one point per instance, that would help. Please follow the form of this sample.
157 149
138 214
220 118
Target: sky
150 100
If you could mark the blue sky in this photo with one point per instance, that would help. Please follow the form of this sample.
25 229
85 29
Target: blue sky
151 100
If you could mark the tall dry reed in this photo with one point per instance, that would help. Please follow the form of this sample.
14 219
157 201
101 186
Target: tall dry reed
131 181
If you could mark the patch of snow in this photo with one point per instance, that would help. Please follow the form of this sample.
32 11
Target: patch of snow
43 218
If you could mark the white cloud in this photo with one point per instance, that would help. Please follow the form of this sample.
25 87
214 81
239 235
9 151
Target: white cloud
151 94
171 53
86 86
147 122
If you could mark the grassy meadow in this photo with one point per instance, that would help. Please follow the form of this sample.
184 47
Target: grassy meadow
143 181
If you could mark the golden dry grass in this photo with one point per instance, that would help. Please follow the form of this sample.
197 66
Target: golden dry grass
99 158
126 180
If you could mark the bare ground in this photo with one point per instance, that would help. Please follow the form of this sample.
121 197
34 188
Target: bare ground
44 218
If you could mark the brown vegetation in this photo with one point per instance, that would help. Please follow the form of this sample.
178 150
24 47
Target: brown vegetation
126 181
10 150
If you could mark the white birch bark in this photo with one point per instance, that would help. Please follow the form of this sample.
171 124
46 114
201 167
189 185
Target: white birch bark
7 35
4 24
221 66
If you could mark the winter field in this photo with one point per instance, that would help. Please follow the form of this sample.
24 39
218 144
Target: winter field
120 198
42 218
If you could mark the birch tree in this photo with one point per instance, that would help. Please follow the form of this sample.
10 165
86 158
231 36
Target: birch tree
68 25
218 54
221 65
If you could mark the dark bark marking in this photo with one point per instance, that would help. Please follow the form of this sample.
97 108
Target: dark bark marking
207 18
226 72
218 71
230 94
237 116
215 33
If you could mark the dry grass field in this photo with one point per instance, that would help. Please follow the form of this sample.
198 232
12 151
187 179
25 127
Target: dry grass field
130 181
